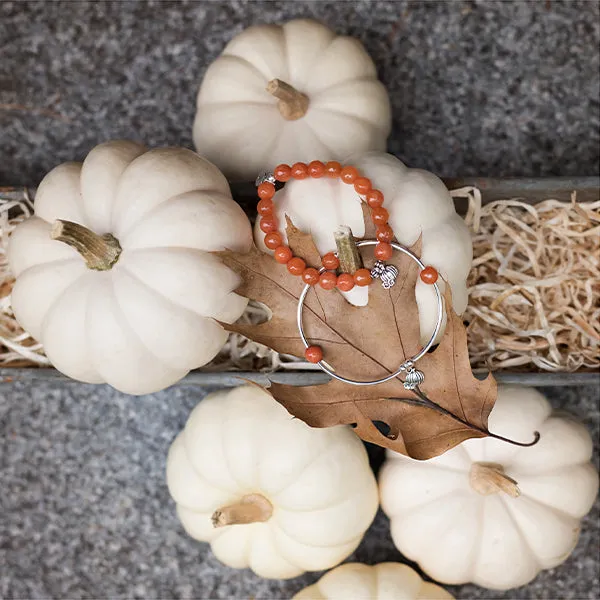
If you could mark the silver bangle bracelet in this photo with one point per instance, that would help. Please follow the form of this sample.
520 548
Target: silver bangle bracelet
387 274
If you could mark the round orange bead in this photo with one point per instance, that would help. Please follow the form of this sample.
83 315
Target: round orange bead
345 282
266 190
362 185
362 277
316 169
282 172
349 174
299 170
328 280
374 198
268 224
310 276
384 233
296 266
383 251
273 240
314 354
429 275
333 169
283 254
380 216
265 207
330 261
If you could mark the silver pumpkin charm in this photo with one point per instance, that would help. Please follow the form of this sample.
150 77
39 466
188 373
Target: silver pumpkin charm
387 273
414 378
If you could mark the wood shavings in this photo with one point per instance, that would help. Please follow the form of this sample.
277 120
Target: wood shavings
534 291
17 348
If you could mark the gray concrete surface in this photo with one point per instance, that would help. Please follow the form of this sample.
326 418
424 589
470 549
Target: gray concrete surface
86 512
478 88
486 88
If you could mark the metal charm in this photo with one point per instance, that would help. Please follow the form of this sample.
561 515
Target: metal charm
414 378
265 176
387 273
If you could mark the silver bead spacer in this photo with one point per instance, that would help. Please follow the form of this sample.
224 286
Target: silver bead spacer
387 273
265 176
414 378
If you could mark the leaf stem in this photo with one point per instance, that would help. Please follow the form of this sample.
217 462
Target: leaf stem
427 403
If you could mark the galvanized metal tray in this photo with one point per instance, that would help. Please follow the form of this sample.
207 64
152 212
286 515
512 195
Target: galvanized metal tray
527 189
298 378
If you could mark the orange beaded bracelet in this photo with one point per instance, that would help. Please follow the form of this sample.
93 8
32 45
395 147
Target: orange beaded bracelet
295 265
328 279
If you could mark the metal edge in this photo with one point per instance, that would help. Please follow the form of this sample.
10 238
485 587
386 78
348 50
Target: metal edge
506 187
530 189
301 378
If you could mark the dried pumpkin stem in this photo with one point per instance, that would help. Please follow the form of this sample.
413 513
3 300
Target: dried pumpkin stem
348 254
252 508
100 252
490 478
292 103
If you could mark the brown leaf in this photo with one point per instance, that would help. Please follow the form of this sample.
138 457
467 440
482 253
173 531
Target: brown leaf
367 343
303 244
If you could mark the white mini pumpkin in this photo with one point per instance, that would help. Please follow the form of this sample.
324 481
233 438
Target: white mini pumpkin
141 319
490 512
418 204
336 105
266 490
385 581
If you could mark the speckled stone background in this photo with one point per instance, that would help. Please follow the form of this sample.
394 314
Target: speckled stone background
86 512
478 88
486 88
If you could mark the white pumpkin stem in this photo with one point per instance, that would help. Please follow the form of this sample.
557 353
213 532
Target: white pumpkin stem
292 103
252 508
348 254
100 252
490 478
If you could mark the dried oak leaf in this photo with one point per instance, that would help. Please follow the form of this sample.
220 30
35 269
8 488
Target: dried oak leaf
367 343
